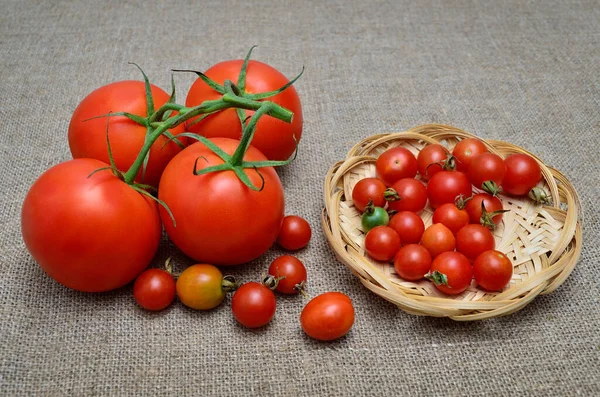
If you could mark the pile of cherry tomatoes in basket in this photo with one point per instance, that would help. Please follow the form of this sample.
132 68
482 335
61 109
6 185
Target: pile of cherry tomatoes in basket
459 245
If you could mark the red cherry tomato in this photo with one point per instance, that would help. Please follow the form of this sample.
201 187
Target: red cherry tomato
465 151
451 273
295 233
474 239
523 172
154 289
451 216
395 164
446 186
291 272
412 262
382 243
486 167
328 316
368 189
431 160
491 204
412 196
437 238
492 270
253 305
408 225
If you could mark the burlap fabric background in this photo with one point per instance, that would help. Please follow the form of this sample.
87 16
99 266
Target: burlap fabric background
525 72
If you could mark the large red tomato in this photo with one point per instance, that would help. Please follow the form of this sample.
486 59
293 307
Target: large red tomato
87 139
90 234
219 219
273 137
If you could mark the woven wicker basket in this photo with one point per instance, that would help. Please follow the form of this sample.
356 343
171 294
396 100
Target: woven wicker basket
543 242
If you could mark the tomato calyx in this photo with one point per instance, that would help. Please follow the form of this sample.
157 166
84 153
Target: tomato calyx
461 201
438 278
539 195
229 283
391 195
449 164
491 187
487 218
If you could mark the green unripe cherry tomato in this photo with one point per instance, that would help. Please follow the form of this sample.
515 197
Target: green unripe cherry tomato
374 216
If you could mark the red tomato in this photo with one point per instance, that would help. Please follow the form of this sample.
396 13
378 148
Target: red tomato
273 137
328 316
451 273
382 243
295 233
437 238
90 234
486 167
154 289
412 194
492 270
291 272
432 159
446 186
395 164
412 262
368 189
474 239
87 139
219 219
465 151
253 305
491 204
201 287
523 172
451 216
409 226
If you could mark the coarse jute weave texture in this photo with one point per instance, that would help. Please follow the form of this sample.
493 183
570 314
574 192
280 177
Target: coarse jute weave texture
521 72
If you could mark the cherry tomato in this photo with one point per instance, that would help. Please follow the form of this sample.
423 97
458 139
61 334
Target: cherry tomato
451 216
154 289
523 172
412 196
446 186
295 233
253 305
89 233
219 219
432 159
87 135
395 164
328 316
451 273
474 239
368 189
412 262
437 238
492 270
408 225
273 138
465 151
492 205
382 243
202 287
291 274
374 216
486 167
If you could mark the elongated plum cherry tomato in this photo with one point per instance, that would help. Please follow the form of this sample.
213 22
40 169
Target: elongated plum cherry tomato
465 151
253 305
523 172
395 164
328 316
368 189
492 270
474 239
493 207
486 167
202 287
437 238
291 274
451 273
412 262
446 186
451 216
412 195
432 159
295 233
408 225
154 289
382 243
